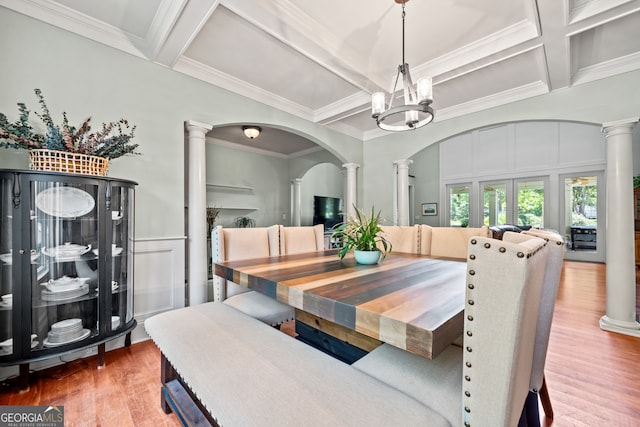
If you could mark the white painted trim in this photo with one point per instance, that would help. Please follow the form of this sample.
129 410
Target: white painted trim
68 19
605 69
495 100
223 143
205 73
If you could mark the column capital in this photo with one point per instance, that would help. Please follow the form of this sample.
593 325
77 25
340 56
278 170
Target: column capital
193 126
296 181
625 125
403 162
351 166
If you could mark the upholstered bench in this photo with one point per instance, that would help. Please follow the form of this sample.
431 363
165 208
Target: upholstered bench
242 372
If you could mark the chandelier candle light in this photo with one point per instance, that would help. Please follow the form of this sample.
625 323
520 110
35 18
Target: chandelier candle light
416 112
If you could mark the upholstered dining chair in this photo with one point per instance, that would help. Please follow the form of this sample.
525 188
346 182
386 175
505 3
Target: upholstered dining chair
538 385
403 238
296 240
486 382
234 244
450 242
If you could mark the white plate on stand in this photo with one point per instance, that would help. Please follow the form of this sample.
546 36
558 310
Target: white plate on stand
65 202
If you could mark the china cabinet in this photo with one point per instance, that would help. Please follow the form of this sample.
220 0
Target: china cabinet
66 265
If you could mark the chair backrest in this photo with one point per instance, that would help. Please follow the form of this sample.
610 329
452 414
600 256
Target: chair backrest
547 301
450 242
504 284
402 238
296 240
234 244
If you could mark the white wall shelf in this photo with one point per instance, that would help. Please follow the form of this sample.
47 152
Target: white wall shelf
238 208
228 187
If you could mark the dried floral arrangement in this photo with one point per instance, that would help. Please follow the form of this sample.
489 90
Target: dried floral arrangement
112 141
212 215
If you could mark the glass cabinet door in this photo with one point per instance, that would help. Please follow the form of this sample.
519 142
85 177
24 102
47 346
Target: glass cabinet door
65 274
121 212
6 261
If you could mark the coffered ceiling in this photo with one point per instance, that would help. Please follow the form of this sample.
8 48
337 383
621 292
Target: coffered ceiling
321 60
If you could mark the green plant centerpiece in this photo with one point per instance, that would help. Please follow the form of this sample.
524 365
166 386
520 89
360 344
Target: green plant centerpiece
113 140
244 222
362 233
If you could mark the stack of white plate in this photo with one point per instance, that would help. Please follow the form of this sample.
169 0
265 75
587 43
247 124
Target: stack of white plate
65 331
6 346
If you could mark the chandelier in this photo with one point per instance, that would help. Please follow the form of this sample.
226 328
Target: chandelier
416 111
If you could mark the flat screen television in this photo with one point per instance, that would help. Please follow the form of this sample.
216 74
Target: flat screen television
326 210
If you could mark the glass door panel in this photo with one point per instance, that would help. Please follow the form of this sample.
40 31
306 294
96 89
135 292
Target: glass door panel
530 206
494 196
459 196
581 212
64 235
6 267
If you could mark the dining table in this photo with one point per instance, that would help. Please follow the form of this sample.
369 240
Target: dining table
410 301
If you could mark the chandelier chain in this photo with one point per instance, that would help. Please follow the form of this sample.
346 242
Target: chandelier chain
403 15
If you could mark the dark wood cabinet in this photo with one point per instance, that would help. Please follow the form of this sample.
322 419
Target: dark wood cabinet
66 264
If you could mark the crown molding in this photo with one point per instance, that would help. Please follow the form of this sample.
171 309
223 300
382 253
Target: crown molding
583 9
205 73
342 108
63 17
495 100
606 69
255 150
493 44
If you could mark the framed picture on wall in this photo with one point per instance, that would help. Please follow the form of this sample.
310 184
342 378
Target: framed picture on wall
429 209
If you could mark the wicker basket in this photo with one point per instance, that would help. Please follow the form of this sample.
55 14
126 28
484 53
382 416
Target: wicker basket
62 161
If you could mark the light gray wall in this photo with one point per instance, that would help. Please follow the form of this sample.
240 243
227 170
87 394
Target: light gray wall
85 78
426 170
262 185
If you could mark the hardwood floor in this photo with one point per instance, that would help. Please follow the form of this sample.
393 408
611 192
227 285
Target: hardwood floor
593 376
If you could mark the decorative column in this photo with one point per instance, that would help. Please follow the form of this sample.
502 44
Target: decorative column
295 216
350 190
197 214
403 191
621 275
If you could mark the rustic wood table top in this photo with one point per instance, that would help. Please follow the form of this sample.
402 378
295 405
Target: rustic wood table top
410 301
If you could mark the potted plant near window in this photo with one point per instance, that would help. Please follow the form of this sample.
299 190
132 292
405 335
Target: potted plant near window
65 148
362 233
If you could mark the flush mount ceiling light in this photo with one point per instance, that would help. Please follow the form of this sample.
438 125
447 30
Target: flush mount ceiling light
416 111
251 132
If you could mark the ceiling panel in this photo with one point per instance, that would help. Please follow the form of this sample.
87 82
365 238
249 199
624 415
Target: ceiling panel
607 42
320 60
232 45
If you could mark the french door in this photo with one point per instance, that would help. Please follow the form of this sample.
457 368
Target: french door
514 201
581 205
